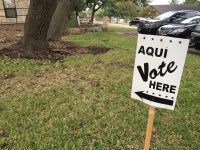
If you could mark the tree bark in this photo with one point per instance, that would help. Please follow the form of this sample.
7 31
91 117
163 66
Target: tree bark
77 15
37 24
93 13
63 11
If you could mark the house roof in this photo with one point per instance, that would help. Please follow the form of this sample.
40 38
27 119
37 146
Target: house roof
165 8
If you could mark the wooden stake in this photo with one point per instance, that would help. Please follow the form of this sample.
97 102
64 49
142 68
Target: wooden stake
149 127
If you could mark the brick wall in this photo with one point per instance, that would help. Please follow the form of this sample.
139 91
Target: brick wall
21 8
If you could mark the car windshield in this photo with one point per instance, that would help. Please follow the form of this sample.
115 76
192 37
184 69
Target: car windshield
193 20
165 15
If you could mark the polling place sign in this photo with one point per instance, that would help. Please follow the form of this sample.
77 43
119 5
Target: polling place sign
158 68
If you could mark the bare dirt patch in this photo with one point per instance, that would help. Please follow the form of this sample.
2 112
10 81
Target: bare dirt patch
56 51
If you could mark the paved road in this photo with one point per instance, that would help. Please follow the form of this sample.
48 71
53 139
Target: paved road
117 24
121 25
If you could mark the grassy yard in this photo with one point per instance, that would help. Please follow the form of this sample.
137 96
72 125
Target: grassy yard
84 102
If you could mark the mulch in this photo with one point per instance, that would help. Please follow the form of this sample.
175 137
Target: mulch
56 51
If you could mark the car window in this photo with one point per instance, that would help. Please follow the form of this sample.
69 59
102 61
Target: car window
177 18
165 15
195 21
198 21
189 15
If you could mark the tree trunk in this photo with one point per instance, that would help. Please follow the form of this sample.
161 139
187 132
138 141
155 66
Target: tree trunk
37 24
77 15
93 13
60 16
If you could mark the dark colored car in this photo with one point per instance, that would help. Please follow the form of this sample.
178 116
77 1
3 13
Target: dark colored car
136 21
196 36
152 26
181 30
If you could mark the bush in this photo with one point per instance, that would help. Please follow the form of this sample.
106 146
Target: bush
71 23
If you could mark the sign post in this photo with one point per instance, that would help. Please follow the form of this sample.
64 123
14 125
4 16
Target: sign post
149 127
159 64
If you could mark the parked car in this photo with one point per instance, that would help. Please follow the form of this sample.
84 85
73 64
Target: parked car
151 26
196 37
181 30
136 21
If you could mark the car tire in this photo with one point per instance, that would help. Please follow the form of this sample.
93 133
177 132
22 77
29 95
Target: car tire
197 46
191 43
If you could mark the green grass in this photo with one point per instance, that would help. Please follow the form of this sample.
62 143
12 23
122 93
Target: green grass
84 102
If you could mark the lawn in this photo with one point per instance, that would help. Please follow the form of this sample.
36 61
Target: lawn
83 102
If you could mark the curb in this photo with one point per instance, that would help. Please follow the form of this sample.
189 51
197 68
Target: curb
194 51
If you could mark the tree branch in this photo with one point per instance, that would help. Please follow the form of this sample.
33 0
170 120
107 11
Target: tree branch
102 4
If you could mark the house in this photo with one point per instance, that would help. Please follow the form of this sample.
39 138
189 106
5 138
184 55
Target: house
13 11
165 8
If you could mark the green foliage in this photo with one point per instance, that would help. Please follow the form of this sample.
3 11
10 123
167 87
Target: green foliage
71 22
79 5
110 9
148 12
174 2
126 9
83 14
142 3
91 3
100 13
192 2
120 9
94 6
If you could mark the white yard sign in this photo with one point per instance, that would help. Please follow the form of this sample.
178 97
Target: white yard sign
158 69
